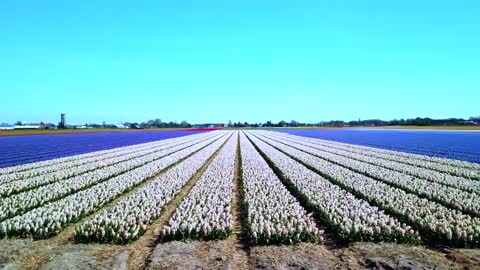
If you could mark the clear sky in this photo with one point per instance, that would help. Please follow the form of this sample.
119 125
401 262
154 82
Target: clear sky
214 61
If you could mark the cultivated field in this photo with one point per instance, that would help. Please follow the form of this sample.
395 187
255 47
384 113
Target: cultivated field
241 200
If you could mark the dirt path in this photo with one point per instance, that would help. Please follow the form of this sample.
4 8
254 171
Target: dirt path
142 249
238 238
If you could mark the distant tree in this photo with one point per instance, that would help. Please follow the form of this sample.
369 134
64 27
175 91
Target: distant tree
134 125
185 124
150 123
293 123
282 123
239 124
229 123
18 123
157 123
60 125
394 122
474 118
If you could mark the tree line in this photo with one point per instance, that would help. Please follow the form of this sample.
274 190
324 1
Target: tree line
158 123
369 122
154 123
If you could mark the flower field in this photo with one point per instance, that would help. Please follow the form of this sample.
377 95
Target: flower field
17 150
276 187
440 146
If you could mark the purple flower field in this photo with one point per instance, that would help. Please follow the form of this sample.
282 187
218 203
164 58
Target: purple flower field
462 145
16 150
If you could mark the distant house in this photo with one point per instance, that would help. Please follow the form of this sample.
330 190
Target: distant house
28 127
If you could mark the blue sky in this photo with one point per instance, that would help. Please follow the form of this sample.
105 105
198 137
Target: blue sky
214 61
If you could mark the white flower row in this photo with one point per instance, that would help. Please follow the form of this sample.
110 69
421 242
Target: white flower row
351 218
51 218
22 202
445 174
431 175
54 161
464 201
128 219
78 160
66 165
74 158
458 167
205 213
436 221
96 169
273 214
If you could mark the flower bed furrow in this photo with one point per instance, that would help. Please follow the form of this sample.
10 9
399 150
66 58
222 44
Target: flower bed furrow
464 201
274 216
129 218
92 170
446 178
22 202
67 159
351 218
435 221
205 213
465 168
78 160
51 218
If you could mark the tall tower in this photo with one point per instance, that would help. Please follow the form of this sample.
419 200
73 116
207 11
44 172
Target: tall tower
63 119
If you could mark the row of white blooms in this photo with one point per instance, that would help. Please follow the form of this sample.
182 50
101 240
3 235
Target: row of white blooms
431 175
66 165
460 167
206 212
94 169
22 202
434 220
75 158
274 216
78 160
464 201
54 161
351 218
447 178
128 219
51 218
